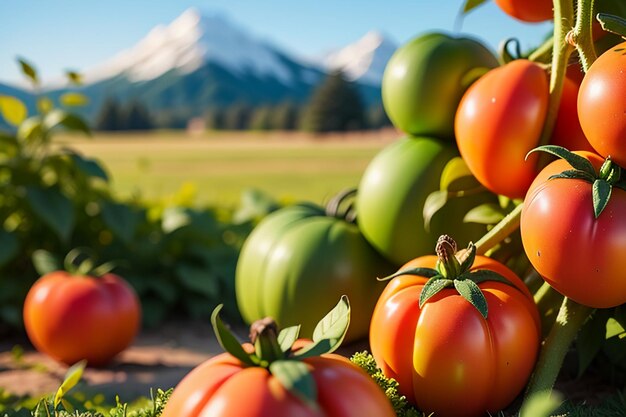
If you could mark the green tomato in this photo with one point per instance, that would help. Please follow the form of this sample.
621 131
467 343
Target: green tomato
296 264
391 199
425 79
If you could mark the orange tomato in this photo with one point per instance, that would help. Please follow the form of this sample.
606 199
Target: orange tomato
527 10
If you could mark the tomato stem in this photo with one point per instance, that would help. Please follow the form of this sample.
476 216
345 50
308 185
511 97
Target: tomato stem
582 37
569 320
500 231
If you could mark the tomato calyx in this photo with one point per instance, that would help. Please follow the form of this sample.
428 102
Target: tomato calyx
453 270
602 182
274 350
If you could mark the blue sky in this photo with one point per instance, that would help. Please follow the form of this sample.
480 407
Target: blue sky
59 34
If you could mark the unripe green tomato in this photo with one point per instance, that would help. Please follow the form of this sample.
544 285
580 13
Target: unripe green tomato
298 261
425 79
391 199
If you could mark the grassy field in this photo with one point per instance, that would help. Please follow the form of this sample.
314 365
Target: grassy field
219 166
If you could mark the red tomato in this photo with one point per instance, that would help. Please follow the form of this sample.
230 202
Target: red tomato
71 318
224 387
602 104
578 255
499 120
567 131
446 357
527 10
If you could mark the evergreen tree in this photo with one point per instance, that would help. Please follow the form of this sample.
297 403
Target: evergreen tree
335 105
109 117
377 117
261 117
237 117
285 116
136 117
214 118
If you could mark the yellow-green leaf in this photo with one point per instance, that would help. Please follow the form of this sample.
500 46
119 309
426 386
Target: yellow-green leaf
28 70
72 377
74 77
74 99
44 105
13 110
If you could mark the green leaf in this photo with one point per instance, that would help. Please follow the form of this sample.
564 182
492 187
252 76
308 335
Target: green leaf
44 105
296 378
541 404
422 272
590 339
456 176
58 117
612 23
334 325
467 259
227 340
74 77
13 110
432 288
9 247
487 213
74 99
54 208
28 70
576 161
613 328
175 218
572 174
121 219
471 5
601 194
434 202
287 337
45 262
90 167
30 129
72 377
472 293
313 349
198 279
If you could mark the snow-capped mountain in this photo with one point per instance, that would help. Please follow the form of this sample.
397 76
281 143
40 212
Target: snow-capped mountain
363 61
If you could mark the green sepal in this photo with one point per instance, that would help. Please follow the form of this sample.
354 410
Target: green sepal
226 338
472 293
422 272
573 174
612 23
601 194
468 258
432 287
287 337
296 378
482 275
315 348
576 161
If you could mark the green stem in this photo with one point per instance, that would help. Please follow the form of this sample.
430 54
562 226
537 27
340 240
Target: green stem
582 36
569 320
500 231
543 53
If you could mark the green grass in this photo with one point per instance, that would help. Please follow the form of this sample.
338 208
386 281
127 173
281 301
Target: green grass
220 166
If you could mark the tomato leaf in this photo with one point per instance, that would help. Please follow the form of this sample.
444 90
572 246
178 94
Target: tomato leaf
589 340
74 77
9 245
30 129
483 275
334 325
601 194
121 219
488 213
472 293
471 5
45 262
287 337
432 287
313 349
72 377
612 23
58 117
88 166
28 70
422 272
434 202
227 339
613 328
573 174
576 161
54 208
297 379
13 110
198 279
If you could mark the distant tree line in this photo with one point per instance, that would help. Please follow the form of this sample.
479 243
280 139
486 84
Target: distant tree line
335 105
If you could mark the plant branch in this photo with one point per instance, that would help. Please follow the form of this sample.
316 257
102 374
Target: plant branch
582 37
500 231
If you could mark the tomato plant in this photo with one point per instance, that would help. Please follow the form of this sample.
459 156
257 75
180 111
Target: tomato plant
301 258
463 350
499 120
527 10
573 233
392 193
567 131
601 104
82 314
280 378
425 79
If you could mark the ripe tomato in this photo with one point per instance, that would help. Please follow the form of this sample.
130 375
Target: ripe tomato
578 255
71 318
601 104
425 79
298 261
499 120
527 10
567 131
224 387
447 358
